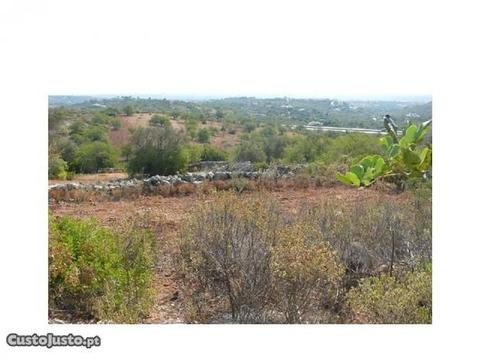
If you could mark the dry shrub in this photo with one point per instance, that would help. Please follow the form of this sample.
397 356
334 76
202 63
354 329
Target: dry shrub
239 251
225 250
240 184
205 188
301 181
306 272
186 189
222 185
374 234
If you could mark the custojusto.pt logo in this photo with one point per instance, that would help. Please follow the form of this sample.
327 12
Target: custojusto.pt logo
50 340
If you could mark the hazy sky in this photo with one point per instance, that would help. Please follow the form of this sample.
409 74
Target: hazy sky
353 49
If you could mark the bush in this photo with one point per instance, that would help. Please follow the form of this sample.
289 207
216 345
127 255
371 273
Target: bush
157 151
160 120
324 175
305 270
375 234
225 254
242 252
57 167
387 300
93 156
213 153
203 136
100 274
250 151
128 110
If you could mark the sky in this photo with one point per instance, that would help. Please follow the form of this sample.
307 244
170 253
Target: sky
353 49
339 49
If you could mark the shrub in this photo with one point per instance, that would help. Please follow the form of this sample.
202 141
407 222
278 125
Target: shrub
250 151
128 110
203 136
225 254
93 156
388 300
100 274
115 123
241 252
160 120
95 133
375 234
240 184
261 166
157 151
323 175
213 153
57 167
305 270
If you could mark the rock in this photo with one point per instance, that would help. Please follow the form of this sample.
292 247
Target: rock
244 166
221 175
200 176
188 177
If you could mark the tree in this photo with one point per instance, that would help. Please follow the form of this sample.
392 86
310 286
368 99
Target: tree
55 117
93 156
128 110
219 114
160 121
157 151
250 151
249 126
203 136
57 167
96 133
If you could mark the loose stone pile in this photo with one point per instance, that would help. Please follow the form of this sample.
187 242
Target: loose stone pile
213 171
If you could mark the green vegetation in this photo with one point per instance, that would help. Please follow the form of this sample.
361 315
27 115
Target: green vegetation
100 274
81 143
404 159
390 300
263 126
128 110
93 156
57 167
203 136
212 153
160 120
157 151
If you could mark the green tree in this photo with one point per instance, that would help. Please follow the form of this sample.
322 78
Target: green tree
93 156
160 121
57 167
203 136
128 110
56 116
250 151
157 151
96 133
249 126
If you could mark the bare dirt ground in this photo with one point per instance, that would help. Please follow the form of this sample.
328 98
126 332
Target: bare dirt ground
120 137
222 139
171 211
92 178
